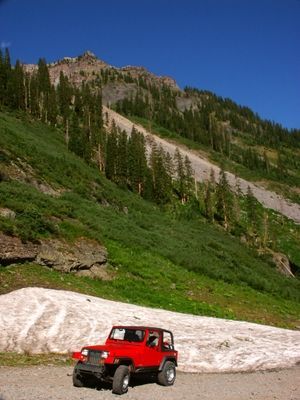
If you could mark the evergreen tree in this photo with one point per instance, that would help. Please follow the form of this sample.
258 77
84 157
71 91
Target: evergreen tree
180 175
112 154
2 78
5 76
137 161
76 138
43 87
224 201
16 88
161 180
122 160
184 175
64 94
189 180
33 97
266 162
254 219
281 168
209 202
43 77
265 238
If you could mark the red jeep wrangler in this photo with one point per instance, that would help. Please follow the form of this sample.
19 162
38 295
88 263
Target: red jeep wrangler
128 350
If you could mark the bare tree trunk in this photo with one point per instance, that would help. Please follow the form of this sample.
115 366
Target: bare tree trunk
100 158
25 93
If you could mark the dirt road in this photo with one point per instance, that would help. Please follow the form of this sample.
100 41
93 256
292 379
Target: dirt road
202 169
55 383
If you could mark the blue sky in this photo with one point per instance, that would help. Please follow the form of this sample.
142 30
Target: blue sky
247 50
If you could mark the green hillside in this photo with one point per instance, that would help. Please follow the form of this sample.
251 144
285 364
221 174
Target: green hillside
162 256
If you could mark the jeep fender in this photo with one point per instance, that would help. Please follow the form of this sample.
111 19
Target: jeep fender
167 358
125 361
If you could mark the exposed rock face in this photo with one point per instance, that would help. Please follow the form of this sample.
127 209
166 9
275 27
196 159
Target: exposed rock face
13 250
87 67
85 257
113 92
136 72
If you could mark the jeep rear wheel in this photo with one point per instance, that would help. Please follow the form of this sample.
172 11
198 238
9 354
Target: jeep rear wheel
121 380
166 377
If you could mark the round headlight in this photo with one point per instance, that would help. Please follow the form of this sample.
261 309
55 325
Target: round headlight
105 354
85 352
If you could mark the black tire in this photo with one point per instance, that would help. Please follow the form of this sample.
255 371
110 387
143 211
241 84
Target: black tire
121 380
167 376
78 381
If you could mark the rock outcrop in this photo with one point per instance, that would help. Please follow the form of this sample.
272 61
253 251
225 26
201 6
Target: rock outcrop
14 251
84 257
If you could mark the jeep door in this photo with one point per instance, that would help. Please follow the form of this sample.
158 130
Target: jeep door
152 349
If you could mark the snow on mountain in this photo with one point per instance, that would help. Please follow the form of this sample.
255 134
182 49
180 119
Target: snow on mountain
46 320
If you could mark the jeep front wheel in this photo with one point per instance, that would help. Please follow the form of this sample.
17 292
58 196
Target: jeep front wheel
166 377
78 381
121 380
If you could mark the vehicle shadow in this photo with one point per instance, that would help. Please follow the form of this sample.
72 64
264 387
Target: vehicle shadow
139 380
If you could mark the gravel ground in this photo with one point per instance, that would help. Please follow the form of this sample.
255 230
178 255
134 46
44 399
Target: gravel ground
55 383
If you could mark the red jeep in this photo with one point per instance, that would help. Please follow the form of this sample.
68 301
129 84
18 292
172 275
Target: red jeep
128 350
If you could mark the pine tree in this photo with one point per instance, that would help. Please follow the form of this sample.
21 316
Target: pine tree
254 219
209 202
122 160
265 238
281 168
180 175
112 153
266 162
52 107
2 78
43 87
189 180
33 97
161 180
64 94
137 161
5 75
184 174
224 201
15 88
75 138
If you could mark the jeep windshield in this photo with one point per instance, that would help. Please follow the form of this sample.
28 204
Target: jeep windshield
128 335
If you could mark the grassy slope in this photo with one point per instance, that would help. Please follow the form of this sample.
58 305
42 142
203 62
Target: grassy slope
157 260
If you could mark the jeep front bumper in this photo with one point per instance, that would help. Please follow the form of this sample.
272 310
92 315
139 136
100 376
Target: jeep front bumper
88 369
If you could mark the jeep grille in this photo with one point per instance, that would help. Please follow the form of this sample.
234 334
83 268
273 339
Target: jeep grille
94 357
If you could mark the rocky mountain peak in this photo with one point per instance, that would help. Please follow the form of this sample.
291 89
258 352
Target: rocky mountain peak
88 55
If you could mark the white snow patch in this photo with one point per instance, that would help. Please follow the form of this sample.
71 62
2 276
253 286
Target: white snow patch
45 320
